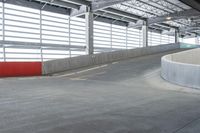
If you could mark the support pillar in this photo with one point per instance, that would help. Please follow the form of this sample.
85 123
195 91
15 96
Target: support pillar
145 34
3 30
197 40
89 32
177 36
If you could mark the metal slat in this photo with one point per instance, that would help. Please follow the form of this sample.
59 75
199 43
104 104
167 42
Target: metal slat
22 26
65 19
55 35
22 37
53 21
26 11
55 30
21 16
22 32
47 39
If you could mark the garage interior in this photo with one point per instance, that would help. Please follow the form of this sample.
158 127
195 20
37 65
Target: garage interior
95 66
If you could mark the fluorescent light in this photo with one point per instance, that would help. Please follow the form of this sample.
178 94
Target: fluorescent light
168 18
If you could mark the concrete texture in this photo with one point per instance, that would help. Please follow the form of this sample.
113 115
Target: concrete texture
122 97
60 65
182 68
187 57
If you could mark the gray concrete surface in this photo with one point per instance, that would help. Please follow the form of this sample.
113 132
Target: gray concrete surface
60 65
182 68
122 97
188 57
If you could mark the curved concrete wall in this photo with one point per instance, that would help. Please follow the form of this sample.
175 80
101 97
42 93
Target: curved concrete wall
182 68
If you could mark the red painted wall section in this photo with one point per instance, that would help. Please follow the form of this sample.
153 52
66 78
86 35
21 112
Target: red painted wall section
14 69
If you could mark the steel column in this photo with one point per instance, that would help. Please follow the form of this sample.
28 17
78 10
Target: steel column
145 34
89 32
176 36
111 36
41 51
126 37
69 34
3 30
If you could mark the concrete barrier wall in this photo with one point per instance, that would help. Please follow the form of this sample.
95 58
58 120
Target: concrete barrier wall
182 68
15 69
60 65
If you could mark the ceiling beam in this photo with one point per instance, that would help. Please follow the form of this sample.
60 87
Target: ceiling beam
114 16
190 35
151 29
81 11
108 20
158 28
111 21
123 13
169 26
192 3
37 5
174 16
60 3
95 5
161 27
189 29
101 4
184 30
170 17
79 2
169 32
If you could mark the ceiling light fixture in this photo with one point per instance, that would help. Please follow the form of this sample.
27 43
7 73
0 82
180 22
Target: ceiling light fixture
168 18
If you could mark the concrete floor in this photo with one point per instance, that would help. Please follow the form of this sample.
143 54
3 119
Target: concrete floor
123 97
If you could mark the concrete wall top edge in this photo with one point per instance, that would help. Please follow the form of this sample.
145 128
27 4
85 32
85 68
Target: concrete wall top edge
189 57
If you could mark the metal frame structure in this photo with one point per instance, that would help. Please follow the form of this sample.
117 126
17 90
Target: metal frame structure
39 35
123 12
130 24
